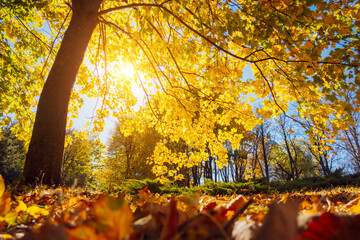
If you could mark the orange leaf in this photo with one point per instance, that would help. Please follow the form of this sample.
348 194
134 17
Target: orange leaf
5 201
113 217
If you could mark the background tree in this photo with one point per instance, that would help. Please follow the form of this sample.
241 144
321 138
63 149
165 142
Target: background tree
127 155
81 155
283 169
265 142
349 142
12 156
237 161
290 147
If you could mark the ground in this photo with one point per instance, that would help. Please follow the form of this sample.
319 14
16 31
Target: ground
65 213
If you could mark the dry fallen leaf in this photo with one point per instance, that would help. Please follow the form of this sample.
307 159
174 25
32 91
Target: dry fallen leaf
280 222
245 230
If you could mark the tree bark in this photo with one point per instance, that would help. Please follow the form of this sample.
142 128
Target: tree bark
44 158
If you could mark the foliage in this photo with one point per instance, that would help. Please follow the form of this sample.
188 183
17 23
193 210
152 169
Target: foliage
127 155
12 156
81 155
26 52
303 160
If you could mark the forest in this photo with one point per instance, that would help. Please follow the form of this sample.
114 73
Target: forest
234 119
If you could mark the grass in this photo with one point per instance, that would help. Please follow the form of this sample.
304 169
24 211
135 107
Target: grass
132 186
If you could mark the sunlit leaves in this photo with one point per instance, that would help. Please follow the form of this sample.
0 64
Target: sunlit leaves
27 45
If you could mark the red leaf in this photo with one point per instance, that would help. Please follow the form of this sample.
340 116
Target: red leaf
171 223
326 227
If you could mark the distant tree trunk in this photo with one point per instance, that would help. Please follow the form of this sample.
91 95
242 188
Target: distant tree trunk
195 174
208 170
291 159
130 149
215 171
265 151
45 155
321 158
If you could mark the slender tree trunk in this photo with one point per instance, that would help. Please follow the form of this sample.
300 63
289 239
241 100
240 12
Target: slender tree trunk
264 148
45 155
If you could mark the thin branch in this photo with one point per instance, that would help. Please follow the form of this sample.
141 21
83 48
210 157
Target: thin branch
142 85
166 77
133 5
53 43
203 36
27 29
194 15
103 31
270 88
156 30
178 68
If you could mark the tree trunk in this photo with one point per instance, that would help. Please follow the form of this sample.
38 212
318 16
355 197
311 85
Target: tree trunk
264 148
44 159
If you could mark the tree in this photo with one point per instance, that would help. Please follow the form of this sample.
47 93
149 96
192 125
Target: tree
305 166
349 142
290 148
12 156
194 53
127 155
45 153
80 156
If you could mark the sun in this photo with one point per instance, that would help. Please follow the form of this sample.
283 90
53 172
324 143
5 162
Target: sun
127 71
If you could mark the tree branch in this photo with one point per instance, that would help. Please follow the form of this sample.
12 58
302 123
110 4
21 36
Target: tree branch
133 5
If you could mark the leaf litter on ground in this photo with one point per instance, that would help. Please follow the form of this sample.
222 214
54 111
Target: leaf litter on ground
65 213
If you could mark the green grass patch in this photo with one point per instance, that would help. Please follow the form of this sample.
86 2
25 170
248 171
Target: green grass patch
132 186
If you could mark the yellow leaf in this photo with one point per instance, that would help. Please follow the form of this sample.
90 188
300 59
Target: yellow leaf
6 236
21 207
2 186
36 211
355 209
353 206
11 218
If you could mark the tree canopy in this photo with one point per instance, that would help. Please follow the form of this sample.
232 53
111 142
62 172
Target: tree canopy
191 58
